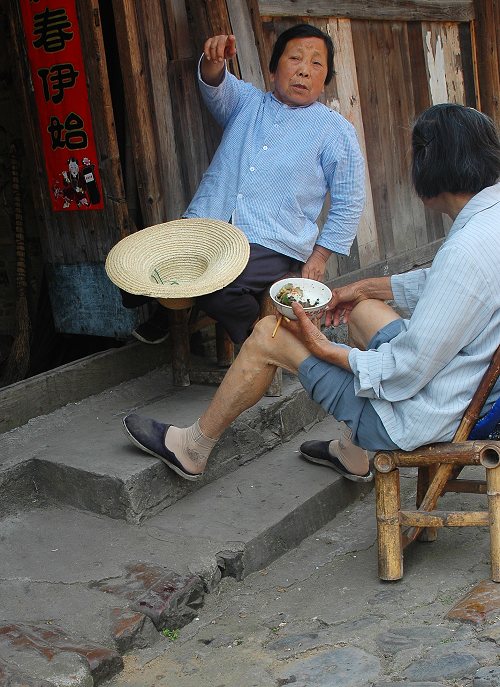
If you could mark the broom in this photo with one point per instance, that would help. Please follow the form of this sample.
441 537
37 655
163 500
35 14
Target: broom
18 361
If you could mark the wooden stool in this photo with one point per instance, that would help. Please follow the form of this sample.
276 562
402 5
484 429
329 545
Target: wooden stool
439 466
178 318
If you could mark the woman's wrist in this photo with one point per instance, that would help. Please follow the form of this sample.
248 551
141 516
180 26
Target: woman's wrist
323 253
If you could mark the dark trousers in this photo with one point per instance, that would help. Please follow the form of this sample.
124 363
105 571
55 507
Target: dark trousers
237 305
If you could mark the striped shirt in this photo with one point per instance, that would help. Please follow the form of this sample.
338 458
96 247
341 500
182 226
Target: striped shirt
273 168
421 382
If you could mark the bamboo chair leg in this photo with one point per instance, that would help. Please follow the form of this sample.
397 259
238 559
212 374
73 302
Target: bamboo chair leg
436 487
493 492
425 476
390 550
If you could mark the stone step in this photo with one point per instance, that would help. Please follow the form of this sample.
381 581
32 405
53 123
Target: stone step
79 455
45 392
78 588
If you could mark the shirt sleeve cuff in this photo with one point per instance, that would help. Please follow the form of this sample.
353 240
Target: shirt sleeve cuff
407 287
204 84
365 384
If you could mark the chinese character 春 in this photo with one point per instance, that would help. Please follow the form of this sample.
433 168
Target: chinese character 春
49 26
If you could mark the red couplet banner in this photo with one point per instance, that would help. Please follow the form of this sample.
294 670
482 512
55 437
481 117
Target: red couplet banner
58 74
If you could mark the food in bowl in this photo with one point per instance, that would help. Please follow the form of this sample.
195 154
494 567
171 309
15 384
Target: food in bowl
311 294
290 293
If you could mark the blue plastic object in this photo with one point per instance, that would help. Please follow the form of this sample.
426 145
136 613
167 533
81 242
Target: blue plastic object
488 427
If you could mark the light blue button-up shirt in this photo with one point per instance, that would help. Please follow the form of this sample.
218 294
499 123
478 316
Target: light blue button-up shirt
421 382
274 167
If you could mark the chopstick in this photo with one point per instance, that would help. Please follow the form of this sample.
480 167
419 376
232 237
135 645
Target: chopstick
277 325
281 317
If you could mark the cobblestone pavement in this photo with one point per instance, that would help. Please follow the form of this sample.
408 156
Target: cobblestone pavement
319 617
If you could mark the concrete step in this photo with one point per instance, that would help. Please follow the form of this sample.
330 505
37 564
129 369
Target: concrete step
78 589
78 454
68 383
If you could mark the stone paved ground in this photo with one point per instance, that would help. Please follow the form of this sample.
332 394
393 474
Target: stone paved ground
319 617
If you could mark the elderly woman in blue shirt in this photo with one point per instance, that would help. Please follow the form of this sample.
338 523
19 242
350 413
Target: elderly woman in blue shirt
280 154
403 382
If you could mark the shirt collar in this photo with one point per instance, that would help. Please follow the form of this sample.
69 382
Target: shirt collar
289 107
483 200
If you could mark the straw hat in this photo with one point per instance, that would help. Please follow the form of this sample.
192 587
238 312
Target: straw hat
179 259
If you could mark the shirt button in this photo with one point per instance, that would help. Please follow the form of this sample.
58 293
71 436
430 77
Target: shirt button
240 196
252 169
264 147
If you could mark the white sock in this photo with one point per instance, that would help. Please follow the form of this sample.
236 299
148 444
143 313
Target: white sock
191 447
352 457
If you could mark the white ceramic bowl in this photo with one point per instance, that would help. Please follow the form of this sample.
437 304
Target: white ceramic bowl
312 291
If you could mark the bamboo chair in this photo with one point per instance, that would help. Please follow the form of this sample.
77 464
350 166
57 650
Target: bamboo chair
439 466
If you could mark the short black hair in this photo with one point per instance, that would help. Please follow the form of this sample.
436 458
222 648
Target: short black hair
302 31
456 149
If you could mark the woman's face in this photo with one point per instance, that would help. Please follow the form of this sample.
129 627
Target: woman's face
300 76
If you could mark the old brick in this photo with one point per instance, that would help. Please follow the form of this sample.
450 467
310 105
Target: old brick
50 641
169 599
482 602
132 630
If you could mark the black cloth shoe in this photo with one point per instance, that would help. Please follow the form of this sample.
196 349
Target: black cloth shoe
149 436
318 452
155 330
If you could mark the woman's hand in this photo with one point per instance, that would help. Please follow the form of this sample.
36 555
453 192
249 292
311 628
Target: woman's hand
219 48
307 332
216 50
344 299
315 265
314 340
314 268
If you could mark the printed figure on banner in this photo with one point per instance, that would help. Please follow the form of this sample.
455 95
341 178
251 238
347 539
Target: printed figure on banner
76 185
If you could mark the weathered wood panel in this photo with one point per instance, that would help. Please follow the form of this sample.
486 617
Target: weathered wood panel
398 10
155 48
444 64
178 29
258 34
248 56
209 18
487 45
382 57
424 60
139 110
349 105
195 140
402 262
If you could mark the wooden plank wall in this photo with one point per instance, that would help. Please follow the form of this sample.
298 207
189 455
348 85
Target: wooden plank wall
392 60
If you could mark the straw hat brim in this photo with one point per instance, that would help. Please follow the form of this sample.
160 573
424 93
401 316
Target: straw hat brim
179 259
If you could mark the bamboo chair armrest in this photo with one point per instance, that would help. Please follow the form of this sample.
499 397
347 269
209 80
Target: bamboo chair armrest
460 453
